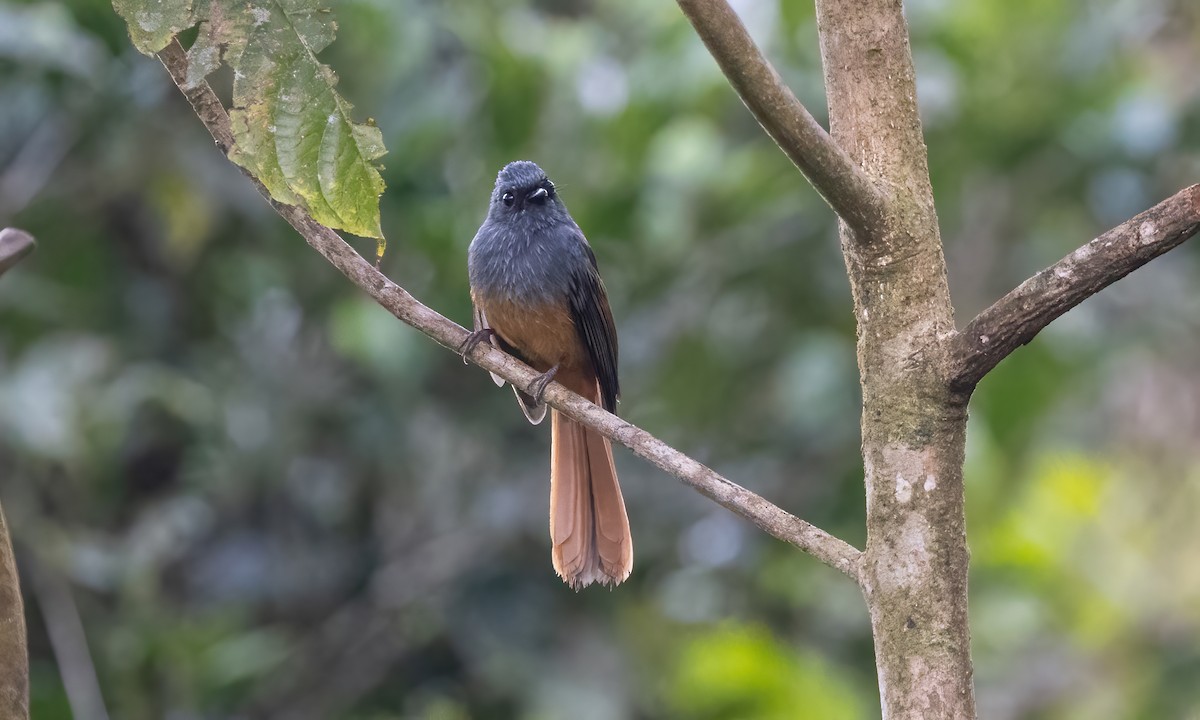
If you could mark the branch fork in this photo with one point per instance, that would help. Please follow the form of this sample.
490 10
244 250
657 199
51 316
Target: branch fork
914 570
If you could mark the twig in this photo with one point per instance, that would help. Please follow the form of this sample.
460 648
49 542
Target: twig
14 245
69 642
838 179
828 549
35 163
1016 318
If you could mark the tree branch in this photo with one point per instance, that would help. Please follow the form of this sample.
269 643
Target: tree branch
828 549
14 648
1016 318
14 245
68 641
838 179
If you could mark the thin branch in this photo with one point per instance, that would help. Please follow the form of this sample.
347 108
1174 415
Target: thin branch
1016 318
36 161
828 549
14 646
838 179
14 245
68 640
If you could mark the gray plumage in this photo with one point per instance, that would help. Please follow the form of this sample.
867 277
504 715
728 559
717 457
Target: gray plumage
537 295
531 250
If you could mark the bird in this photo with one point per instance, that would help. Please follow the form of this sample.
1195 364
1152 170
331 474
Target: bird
537 295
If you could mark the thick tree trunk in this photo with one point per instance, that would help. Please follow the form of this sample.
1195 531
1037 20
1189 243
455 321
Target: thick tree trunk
913 428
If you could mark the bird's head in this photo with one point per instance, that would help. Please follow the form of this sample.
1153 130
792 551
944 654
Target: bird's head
522 187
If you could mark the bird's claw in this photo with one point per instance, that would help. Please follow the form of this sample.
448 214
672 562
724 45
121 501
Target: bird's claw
537 387
473 341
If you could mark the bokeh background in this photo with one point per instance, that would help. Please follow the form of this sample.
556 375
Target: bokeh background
238 488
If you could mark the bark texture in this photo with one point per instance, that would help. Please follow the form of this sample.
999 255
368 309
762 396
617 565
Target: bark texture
913 428
14 653
1016 318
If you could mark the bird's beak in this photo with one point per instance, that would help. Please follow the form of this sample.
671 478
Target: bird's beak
539 194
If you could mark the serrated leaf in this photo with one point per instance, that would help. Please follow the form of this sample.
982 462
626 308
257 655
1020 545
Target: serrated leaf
292 129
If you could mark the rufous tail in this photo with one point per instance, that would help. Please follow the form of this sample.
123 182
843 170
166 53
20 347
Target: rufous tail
588 524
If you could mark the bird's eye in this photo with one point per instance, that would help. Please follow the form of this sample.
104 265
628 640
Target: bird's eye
508 199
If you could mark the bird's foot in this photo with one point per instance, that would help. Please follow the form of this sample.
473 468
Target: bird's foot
537 388
473 341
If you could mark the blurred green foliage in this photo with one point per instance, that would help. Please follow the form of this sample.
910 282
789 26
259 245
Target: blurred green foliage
745 673
267 498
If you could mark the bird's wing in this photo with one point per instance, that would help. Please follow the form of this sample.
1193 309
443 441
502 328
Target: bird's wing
594 322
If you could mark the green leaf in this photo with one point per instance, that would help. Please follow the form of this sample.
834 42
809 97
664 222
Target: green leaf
292 129
152 23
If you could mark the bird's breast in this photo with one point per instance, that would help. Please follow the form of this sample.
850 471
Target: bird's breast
542 332
529 268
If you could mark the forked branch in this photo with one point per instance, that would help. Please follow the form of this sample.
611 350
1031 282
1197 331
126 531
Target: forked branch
1016 318
838 179
775 521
